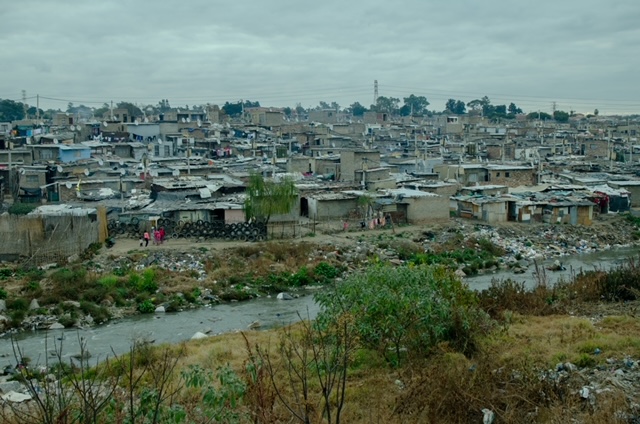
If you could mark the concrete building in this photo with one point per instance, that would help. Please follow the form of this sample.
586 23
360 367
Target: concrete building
355 160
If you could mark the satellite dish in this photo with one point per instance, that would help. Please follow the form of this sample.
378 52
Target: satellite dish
55 141
41 123
199 123
176 172
67 113
123 171
59 168
100 162
121 162
188 119
135 122
22 171
72 127
78 127
184 120
159 141
86 172
105 123
68 184
146 120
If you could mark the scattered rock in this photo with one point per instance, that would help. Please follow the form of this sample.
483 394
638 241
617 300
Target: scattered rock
56 326
3 305
34 305
160 310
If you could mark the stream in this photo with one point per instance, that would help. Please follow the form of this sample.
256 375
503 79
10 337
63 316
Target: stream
118 335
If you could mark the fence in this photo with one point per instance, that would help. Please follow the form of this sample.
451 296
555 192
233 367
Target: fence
36 240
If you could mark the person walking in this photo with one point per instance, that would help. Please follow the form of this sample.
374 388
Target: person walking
146 238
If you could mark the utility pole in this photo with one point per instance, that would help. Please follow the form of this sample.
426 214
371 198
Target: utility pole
629 141
111 109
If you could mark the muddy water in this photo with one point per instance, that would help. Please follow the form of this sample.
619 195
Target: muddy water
162 328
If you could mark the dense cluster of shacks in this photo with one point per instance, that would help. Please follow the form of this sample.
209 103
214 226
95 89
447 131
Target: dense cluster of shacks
193 165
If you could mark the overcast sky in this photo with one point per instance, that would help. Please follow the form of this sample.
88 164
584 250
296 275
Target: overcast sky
582 54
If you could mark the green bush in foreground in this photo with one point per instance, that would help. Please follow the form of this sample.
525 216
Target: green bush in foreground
406 309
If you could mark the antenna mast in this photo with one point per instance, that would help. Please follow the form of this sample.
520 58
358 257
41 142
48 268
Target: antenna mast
24 103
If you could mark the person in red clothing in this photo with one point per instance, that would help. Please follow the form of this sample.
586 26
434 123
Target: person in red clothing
162 235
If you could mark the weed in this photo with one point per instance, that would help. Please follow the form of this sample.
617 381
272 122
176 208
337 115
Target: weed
585 360
146 307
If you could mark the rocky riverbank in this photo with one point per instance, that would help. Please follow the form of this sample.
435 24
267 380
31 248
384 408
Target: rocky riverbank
195 274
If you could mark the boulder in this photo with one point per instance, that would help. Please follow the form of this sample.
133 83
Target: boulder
159 310
15 397
56 326
198 336
34 305
3 305
284 296
10 386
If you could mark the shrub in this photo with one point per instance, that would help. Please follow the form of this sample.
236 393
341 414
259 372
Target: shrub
22 208
148 283
3 293
108 281
326 271
98 313
18 304
301 278
409 307
66 276
146 307
511 295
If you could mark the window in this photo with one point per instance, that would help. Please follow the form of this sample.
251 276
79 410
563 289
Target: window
507 174
497 174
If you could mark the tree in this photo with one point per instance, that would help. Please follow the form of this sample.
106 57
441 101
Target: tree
560 116
232 109
33 112
596 112
501 110
387 104
101 111
357 109
266 198
164 106
513 109
538 115
460 108
415 105
287 111
455 106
